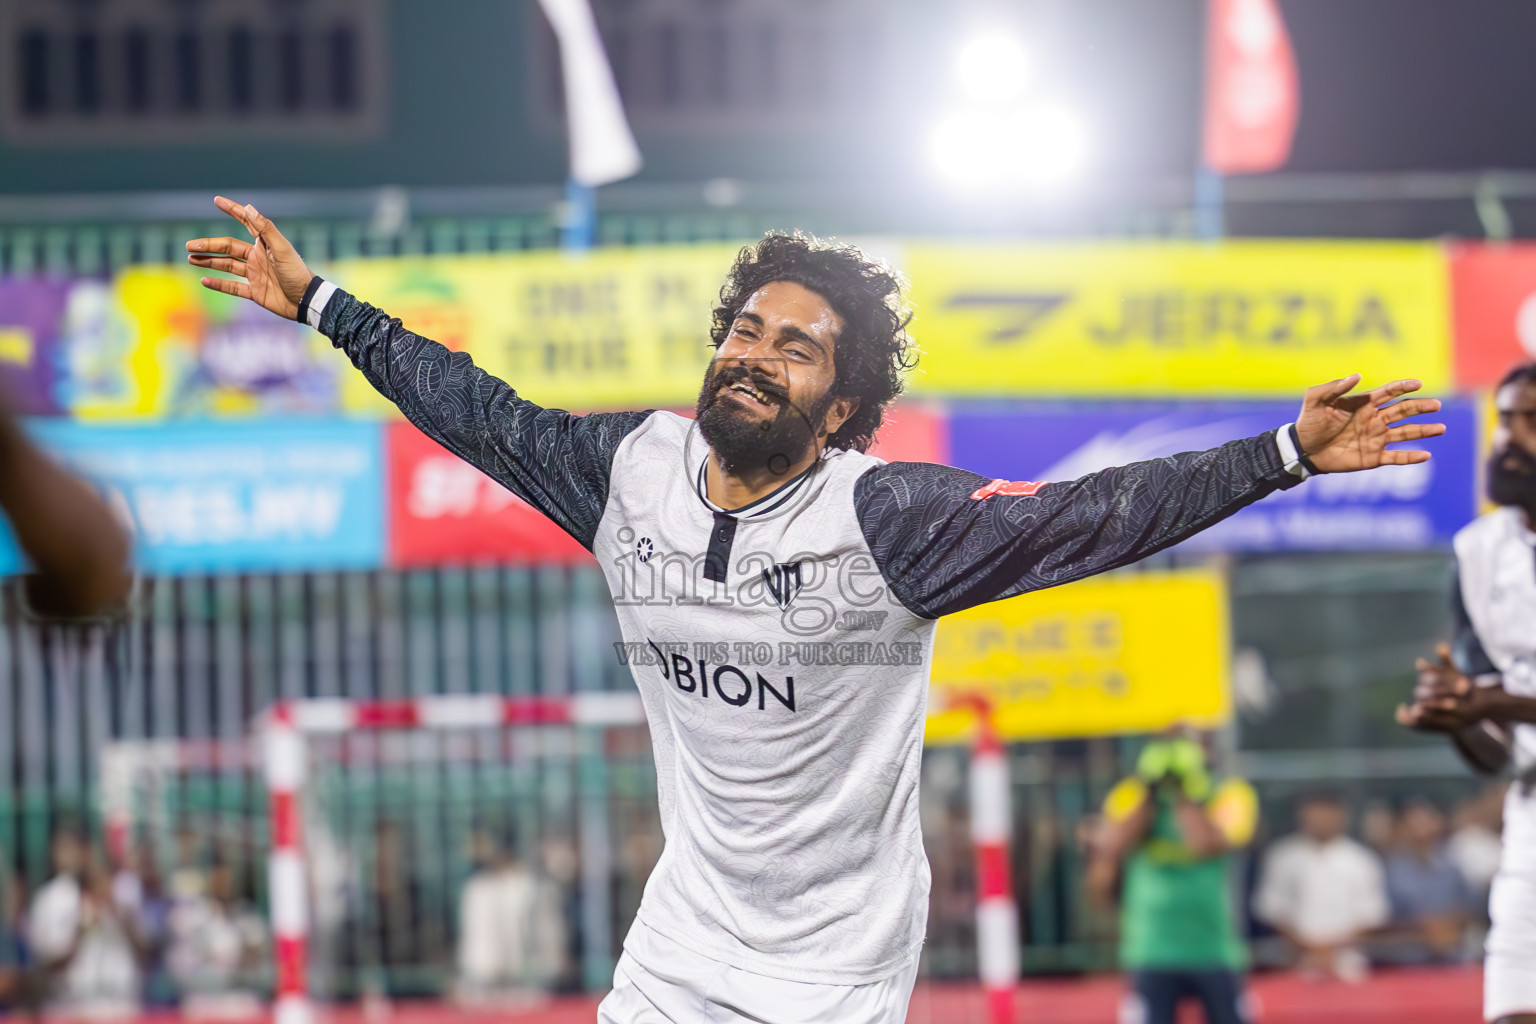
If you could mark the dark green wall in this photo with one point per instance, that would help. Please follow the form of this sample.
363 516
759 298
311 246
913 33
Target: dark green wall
457 114
459 110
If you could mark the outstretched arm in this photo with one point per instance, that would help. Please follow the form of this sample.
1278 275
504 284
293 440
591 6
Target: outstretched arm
946 539
557 462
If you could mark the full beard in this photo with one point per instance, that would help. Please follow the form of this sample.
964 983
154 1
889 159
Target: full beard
746 444
1512 477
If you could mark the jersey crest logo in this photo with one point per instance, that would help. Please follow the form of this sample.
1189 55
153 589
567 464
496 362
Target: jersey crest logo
1010 488
783 581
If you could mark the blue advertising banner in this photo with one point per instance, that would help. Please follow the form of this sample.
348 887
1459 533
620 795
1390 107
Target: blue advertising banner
233 497
1395 507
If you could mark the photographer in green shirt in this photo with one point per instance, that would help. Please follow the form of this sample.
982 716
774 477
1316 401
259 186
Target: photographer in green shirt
1170 829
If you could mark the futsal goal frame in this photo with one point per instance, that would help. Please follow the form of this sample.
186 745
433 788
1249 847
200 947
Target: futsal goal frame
284 731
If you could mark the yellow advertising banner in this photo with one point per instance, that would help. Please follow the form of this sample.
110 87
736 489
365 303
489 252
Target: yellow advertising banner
1120 654
610 328
628 327
154 344
1232 319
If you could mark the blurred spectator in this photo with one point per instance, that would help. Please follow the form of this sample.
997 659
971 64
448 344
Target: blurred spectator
638 851
218 945
952 897
17 991
187 882
1475 844
154 922
1323 891
335 868
1172 827
512 935
561 865
1431 901
388 935
127 885
83 943
1378 827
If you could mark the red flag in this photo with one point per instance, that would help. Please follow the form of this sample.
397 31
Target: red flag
1251 96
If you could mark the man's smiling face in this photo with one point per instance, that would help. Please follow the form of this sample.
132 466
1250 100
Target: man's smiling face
769 391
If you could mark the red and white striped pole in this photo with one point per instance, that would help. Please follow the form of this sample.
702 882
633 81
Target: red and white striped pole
116 795
997 915
287 886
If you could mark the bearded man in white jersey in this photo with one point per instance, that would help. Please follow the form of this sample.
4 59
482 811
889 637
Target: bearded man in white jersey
1481 690
777 591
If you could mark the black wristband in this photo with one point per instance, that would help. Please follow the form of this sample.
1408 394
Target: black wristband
1301 455
309 295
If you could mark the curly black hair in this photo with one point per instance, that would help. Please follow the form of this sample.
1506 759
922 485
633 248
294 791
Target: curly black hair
872 352
1522 373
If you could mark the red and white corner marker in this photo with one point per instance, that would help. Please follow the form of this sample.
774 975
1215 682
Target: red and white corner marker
284 767
997 913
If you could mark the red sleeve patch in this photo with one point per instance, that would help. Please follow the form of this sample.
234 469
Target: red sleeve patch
1008 488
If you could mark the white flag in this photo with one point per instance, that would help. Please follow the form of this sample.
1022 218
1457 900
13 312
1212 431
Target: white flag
603 149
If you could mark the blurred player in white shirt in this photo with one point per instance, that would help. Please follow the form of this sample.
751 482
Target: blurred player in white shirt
1481 690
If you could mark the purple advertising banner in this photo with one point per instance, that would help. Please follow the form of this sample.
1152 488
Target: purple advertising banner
33 314
1401 507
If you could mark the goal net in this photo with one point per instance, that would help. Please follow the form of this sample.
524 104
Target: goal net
478 848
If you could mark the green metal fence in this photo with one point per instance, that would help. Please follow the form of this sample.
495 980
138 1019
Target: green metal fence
91 249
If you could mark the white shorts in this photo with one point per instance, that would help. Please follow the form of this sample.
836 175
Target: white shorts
686 988
1509 968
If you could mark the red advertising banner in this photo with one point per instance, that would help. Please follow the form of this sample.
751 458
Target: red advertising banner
1493 310
912 432
443 511
1251 95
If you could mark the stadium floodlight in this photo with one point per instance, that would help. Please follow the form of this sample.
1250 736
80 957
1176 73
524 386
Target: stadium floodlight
1060 142
1001 135
992 150
993 67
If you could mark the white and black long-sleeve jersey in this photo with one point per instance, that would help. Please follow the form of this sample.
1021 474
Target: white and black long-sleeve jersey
782 650
1493 604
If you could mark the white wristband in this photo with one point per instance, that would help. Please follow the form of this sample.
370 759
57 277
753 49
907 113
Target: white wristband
317 303
1290 457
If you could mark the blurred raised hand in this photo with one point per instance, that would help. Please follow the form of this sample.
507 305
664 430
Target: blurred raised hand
267 270
78 548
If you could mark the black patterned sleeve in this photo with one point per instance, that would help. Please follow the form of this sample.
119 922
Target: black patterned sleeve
946 539
557 462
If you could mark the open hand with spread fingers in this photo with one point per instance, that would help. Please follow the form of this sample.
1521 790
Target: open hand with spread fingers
1342 433
268 270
